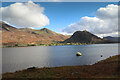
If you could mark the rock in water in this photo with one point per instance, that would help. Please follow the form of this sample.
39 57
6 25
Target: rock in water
78 54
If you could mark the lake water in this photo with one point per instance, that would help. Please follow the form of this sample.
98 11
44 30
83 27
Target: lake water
15 59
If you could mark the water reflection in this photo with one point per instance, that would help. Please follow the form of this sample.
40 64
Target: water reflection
51 56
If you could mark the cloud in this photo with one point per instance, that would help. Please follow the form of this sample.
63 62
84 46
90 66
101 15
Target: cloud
105 22
25 15
115 34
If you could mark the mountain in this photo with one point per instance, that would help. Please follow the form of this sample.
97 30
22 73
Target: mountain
6 27
85 37
116 39
12 35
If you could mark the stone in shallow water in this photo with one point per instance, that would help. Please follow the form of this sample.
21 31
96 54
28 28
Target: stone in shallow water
78 54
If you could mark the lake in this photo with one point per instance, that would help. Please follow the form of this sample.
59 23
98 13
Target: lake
15 59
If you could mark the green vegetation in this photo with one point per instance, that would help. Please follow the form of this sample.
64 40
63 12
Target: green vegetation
19 45
52 44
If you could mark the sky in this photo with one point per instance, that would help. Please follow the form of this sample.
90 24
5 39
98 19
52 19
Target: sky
63 17
61 0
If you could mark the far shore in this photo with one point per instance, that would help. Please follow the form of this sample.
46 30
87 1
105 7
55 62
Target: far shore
52 44
107 68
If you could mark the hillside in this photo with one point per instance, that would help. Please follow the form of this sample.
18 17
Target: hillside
117 39
12 35
85 37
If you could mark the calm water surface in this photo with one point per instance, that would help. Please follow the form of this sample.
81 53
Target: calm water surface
15 59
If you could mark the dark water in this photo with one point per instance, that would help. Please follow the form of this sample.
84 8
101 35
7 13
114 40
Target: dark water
15 59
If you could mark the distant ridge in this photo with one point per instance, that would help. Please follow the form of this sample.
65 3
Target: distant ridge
46 30
117 39
85 37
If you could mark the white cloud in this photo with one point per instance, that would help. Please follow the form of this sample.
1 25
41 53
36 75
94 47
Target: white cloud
105 22
115 34
25 15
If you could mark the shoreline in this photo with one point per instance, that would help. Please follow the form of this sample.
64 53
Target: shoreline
12 46
35 45
105 69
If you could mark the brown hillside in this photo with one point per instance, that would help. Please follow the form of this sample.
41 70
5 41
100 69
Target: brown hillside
12 35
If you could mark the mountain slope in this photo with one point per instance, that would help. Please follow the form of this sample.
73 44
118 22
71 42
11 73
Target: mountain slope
6 27
85 37
12 35
117 39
